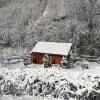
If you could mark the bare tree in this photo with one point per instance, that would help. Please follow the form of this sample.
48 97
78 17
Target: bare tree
88 14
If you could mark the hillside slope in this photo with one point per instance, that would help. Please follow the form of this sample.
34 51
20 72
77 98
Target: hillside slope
26 22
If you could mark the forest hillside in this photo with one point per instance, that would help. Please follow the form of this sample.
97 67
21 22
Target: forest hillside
25 22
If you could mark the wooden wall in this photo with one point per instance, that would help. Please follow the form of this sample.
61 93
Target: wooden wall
38 58
55 59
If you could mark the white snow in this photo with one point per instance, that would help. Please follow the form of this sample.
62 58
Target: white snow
85 78
5 97
52 48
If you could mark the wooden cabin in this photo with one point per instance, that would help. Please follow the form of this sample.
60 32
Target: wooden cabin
55 51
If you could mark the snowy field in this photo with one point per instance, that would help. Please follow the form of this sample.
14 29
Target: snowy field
6 97
35 80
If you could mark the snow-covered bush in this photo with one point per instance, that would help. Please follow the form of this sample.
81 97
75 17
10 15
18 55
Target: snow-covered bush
55 82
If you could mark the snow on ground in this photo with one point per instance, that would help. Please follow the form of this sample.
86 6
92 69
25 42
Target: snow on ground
87 79
5 97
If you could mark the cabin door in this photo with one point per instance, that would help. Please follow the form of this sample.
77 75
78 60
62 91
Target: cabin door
52 59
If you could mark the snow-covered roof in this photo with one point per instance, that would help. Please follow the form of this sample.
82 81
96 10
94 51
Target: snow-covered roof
52 48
